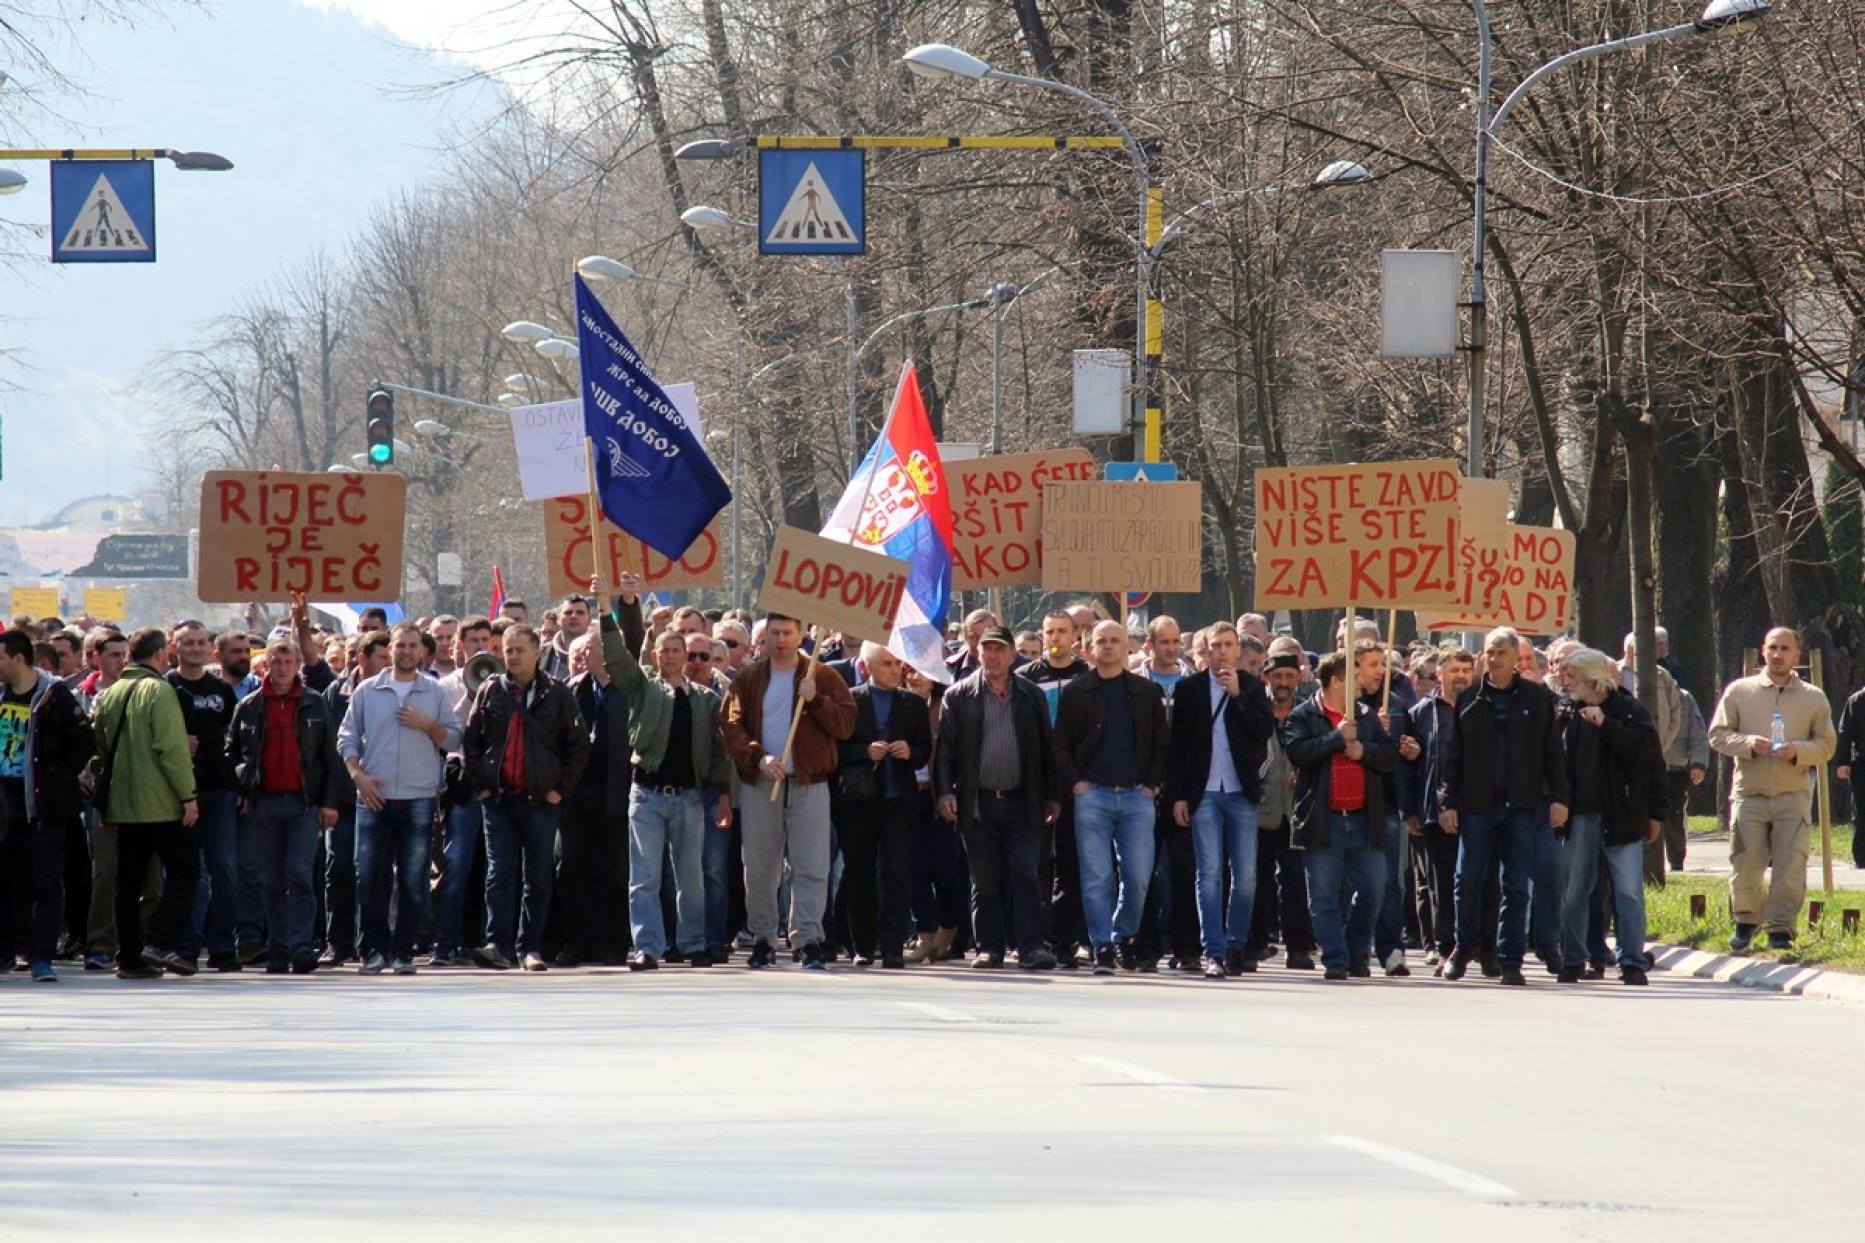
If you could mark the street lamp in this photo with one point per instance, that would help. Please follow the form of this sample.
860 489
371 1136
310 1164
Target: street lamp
941 60
432 427
710 149
1335 175
199 161
519 379
703 216
557 347
11 182
525 330
1717 15
511 401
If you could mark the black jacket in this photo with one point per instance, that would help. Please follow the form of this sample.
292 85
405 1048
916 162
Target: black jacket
1078 727
1537 769
319 766
61 745
1851 749
961 739
1312 742
1430 721
556 742
1248 724
909 722
337 699
1632 789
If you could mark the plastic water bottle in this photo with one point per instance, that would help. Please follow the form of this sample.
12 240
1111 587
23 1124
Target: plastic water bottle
1778 734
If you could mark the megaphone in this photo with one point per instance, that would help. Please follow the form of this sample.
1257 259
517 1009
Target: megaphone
479 669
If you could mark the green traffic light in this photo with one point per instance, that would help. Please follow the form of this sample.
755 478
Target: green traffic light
381 454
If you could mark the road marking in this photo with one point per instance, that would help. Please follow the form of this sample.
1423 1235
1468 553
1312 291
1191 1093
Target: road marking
1139 1074
1449 1175
943 1013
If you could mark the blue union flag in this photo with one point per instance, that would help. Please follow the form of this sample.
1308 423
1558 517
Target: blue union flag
653 478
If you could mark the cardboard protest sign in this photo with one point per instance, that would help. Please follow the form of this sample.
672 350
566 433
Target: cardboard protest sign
566 553
1531 587
1123 537
268 533
834 585
108 604
1381 535
37 603
997 513
549 440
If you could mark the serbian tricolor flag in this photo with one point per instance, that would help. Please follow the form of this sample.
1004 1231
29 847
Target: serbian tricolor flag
897 503
498 594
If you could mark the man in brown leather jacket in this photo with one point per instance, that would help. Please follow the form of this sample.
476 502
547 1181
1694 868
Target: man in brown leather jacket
756 722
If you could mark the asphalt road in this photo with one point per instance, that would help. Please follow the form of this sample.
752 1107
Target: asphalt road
936 1104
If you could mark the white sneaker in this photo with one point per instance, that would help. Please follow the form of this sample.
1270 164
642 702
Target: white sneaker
403 966
535 962
1394 961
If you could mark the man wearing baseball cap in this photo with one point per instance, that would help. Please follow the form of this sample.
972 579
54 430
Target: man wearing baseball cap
992 776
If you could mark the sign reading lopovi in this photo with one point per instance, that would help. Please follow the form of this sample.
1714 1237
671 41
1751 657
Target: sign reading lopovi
834 585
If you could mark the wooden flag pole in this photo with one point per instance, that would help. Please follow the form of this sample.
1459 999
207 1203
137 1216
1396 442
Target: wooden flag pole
595 555
796 717
1392 640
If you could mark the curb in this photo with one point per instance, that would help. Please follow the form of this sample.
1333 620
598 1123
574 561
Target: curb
1753 973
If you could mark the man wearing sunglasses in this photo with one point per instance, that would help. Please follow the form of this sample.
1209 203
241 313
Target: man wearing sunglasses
681 771
737 642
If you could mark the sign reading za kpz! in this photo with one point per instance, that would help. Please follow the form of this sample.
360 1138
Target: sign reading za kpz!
1382 535
267 534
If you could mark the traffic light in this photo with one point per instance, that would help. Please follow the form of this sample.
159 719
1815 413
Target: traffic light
381 427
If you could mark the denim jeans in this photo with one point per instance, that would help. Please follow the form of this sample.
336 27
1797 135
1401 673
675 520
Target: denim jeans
1114 829
1580 860
466 825
284 831
1348 873
521 843
216 901
394 837
1389 930
1510 835
716 864
1224 839
340 914
658 824
1545 889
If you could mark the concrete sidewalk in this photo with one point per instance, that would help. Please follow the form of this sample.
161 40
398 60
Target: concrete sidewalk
1707 854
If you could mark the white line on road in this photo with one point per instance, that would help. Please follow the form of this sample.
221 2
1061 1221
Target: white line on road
1139 1074
943 1013
1449 1175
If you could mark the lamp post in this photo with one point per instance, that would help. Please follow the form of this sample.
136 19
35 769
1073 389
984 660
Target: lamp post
11 182
941 60
1716 15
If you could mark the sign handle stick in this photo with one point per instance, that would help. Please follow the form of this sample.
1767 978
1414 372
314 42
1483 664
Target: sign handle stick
595 557
1392 640
796 718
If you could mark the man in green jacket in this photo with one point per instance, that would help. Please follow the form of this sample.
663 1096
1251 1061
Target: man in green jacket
680 762
142 741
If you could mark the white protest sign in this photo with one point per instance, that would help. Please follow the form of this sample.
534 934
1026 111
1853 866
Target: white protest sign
549 441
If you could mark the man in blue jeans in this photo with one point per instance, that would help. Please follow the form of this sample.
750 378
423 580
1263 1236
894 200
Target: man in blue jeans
1501 761
1389 694
525 746
1341 755
1110 744
1221 725
1618 786
207 705
284 745
463 816
681 774
394 741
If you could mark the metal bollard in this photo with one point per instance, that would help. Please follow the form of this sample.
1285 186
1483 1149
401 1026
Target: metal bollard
1699 906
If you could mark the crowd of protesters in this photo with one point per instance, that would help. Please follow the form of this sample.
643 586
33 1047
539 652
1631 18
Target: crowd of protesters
609 788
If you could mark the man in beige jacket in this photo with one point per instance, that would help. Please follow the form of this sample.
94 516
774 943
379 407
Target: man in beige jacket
1772 792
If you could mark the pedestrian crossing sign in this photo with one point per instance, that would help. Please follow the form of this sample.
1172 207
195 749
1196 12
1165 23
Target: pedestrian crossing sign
812 202
103 211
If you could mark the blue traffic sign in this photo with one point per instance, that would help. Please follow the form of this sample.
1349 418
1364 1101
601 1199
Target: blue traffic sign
1142 472
812 202
103 211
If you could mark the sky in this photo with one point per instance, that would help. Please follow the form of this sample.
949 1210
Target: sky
301 96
